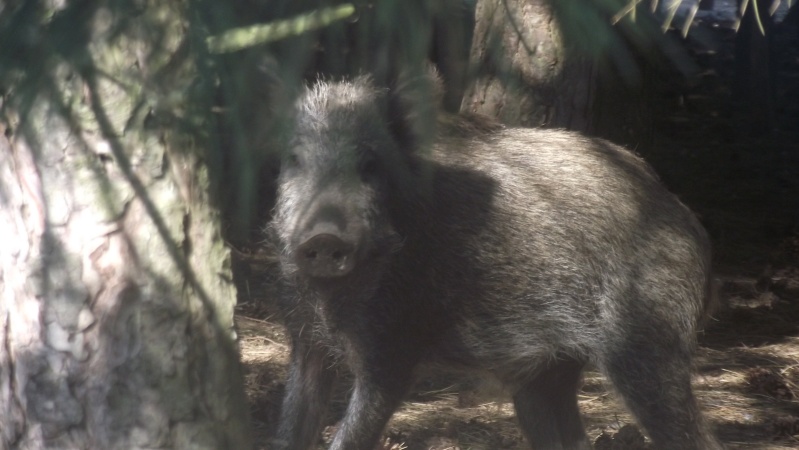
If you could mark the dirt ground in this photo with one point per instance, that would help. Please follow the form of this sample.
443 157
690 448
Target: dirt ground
745 188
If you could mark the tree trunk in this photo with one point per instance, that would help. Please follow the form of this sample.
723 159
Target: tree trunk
567 64
755 71
524 75
116 319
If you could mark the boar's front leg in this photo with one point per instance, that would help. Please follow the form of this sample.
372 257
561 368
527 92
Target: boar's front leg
380 384
308 388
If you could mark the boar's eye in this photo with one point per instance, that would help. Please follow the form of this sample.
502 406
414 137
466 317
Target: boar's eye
369 166
291 160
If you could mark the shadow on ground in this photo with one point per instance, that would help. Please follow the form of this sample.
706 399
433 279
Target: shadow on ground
745 189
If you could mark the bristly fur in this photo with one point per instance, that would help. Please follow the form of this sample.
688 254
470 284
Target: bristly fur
520 253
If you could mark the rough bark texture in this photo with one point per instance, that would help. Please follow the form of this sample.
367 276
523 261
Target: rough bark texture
116 319
525 77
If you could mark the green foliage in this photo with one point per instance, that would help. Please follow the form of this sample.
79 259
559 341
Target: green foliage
194 75
240 38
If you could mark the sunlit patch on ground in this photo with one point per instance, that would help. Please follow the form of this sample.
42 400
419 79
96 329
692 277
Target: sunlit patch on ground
745 191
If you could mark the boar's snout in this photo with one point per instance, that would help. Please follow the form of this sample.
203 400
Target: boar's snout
325 256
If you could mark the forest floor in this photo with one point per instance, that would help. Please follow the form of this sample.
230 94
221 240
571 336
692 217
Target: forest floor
745 189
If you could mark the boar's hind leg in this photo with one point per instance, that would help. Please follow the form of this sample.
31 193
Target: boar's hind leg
307 394
653 375
546 407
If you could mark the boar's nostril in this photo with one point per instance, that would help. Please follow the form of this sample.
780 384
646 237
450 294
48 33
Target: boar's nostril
325 256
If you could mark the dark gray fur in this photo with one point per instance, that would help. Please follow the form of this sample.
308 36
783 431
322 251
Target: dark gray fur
520 253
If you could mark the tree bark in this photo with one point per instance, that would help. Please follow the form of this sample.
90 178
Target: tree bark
567 64
755 70
116 319
524 74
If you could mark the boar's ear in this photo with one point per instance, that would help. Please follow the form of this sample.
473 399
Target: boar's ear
266 90
251 126
413 105
269 92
